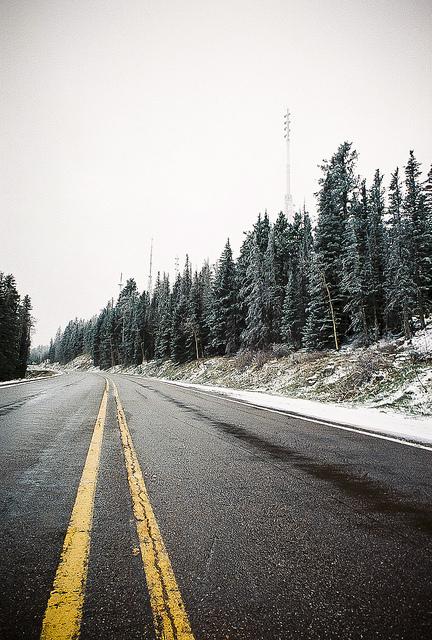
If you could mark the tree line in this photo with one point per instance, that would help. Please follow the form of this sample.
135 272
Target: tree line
15 328
363 272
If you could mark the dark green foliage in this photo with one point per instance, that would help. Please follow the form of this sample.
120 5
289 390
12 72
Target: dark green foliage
318 331
335 200
400 290
224 313
365 271
417 214
377 253
25 324
256 334
297 296
15 327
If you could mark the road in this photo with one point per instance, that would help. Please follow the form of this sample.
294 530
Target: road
174 513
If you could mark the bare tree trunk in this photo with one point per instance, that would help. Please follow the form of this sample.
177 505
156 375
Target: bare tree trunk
196 345
405 321
331 311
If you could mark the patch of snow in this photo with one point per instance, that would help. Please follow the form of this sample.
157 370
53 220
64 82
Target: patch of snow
10 383
393 424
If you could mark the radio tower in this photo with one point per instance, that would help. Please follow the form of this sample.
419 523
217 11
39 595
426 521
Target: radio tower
289 206
150 279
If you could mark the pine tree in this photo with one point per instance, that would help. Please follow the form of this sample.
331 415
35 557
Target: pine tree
243 281
281 270
399 284
353 281
262 232
9 327
297 289
419 235
164 321
206 286
338 188
25 325
319 331
377 253
196 319
223 319
256 334
180 349
51 351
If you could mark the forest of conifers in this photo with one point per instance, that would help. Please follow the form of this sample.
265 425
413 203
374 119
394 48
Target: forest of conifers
15 328
364 271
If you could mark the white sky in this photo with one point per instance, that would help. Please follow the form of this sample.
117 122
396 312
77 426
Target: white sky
121 120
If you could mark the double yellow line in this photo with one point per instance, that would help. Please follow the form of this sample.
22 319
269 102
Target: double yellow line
63 614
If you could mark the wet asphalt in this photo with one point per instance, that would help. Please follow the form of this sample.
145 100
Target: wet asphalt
276 527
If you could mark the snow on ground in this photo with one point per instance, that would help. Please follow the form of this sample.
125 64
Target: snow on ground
8 383
385 388
372 420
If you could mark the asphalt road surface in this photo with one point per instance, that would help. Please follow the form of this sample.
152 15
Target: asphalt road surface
155 511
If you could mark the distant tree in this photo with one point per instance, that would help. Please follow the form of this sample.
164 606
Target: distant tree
25 326
15 328
9 327
180 346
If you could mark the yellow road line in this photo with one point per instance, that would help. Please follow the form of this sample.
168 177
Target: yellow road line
169 613
63 614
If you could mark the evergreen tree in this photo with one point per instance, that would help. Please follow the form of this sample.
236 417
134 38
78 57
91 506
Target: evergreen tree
377 253
338 189
9 327
355 276
353 280
51 351
297 296
281 270
164 322
180 347
224 314
419 236
243 280
399 284
319 331
256 334
195 320
206 287
25 325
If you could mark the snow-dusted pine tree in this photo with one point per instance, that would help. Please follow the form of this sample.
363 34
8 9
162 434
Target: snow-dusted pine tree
377 253
223 322
399 284
419 236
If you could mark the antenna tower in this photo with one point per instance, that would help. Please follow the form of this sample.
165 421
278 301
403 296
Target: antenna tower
289 206
150 278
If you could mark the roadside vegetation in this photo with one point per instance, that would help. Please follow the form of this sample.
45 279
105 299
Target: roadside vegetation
363 273
332 310
15 328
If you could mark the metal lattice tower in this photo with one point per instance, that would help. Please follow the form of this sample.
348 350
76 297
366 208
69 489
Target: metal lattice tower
150 278
289 205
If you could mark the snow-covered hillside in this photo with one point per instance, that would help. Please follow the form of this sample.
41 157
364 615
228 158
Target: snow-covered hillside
390 375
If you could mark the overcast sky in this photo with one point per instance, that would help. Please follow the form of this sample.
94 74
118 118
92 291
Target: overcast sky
124 120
